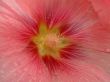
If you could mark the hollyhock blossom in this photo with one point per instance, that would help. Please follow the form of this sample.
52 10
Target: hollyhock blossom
53 41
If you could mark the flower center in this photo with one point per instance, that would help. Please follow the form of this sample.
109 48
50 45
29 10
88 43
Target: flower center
49 41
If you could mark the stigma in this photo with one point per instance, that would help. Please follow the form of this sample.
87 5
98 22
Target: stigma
49 41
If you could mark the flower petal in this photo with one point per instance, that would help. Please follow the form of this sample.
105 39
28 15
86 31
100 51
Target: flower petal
82 72
17 64
77 15
103 9
21 67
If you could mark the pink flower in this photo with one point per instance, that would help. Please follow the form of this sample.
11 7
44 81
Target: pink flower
53 41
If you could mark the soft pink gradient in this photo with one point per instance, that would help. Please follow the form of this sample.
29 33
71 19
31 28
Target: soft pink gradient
18 23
